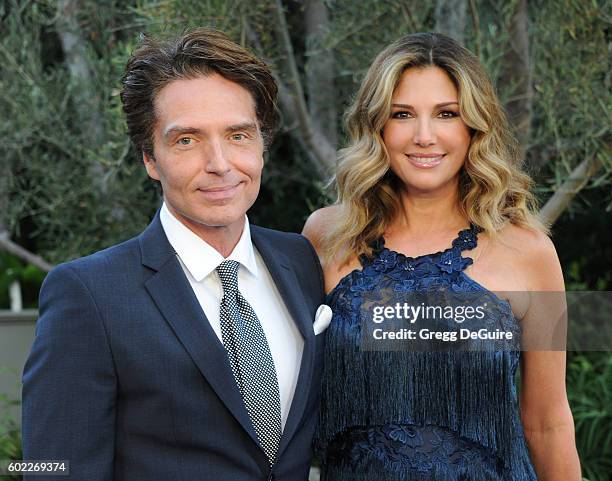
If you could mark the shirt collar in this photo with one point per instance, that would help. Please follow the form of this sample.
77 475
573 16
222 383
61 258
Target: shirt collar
199 257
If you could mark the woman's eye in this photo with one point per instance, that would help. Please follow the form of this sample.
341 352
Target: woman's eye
448 114
400 115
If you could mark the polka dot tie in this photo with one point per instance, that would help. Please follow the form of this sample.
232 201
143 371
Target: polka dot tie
250 360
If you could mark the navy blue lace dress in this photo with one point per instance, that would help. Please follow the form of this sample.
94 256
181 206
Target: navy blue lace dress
418 416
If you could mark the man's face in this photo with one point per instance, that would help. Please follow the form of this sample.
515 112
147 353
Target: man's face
208 151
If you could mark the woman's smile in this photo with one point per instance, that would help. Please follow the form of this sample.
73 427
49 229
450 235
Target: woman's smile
425 161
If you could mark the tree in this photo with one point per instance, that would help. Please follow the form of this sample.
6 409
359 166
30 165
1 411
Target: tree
63 138
451 18
70 183
62 61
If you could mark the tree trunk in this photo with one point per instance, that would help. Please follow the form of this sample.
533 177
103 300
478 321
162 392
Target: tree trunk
451 18
4 194
516 76
560 200
317 145
73 46
320 71
87 99
9 246
317 148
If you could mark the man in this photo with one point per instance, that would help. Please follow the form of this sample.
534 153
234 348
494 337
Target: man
187 353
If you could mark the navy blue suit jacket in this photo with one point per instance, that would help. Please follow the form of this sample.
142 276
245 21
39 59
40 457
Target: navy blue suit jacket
128 381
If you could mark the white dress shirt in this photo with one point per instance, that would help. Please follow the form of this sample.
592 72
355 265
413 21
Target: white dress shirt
199 261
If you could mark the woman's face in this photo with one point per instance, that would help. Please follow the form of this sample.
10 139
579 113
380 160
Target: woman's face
425 137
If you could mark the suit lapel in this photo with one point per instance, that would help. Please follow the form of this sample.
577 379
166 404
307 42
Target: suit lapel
177 302
286 282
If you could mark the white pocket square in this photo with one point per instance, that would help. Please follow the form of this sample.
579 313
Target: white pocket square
322 318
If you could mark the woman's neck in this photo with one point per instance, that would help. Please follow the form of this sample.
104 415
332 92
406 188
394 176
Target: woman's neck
429 212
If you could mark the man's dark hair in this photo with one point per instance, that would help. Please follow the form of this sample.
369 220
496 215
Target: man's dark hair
198 52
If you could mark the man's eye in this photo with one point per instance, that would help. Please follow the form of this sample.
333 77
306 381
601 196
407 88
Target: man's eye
238 137
185 141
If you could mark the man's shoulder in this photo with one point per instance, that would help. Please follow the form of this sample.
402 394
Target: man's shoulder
276 235
115 259
287 242
298 252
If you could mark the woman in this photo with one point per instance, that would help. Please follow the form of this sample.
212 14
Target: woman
430 196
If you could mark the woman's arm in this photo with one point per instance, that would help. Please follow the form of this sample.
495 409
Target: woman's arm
545 412
547 418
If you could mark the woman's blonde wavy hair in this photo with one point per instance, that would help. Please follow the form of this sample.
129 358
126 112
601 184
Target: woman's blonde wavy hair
493 189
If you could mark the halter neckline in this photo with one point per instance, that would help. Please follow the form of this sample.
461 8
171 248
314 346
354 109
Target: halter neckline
466 239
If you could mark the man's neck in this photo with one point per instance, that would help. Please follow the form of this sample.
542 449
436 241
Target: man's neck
221 238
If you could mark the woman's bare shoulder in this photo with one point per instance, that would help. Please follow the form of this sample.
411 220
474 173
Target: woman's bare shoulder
535 254
318 222
529 242
334 268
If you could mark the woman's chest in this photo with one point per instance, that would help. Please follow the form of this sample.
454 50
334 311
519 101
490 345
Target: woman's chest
503 272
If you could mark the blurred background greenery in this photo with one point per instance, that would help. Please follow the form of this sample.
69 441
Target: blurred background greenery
71 184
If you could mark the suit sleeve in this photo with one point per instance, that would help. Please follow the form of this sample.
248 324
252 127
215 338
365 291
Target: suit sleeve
317 264
69 383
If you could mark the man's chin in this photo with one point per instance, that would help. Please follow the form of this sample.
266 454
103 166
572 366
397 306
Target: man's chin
212 221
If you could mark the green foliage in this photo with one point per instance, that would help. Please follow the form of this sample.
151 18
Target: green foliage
87 187
10 436
585 257
589 381
573 96
71 178
29 277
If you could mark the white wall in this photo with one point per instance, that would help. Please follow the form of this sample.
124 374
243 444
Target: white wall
16 336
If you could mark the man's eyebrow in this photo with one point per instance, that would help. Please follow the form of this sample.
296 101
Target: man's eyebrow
181 130
248 126
177 129
406 106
